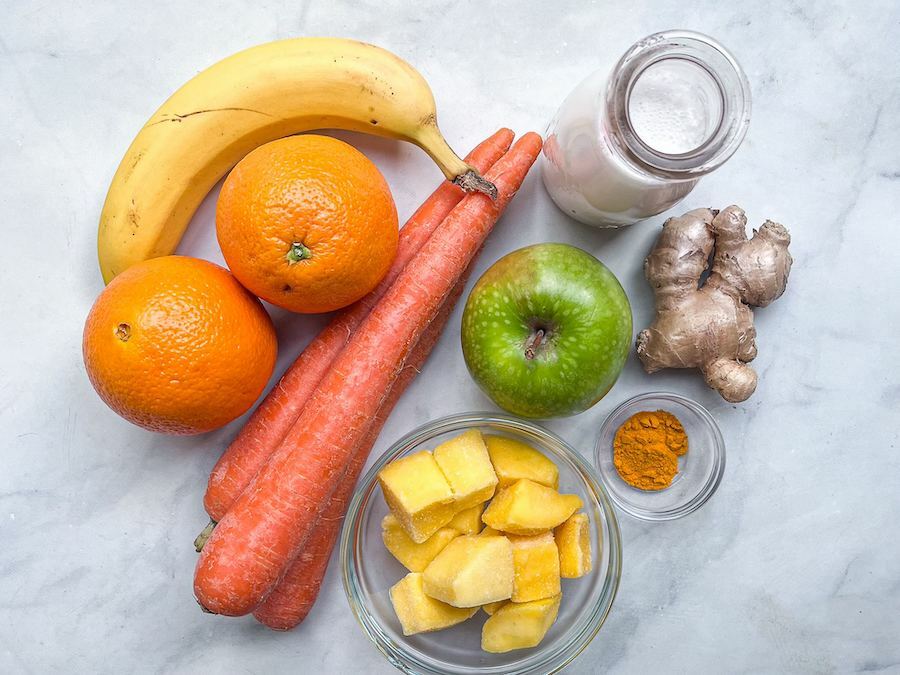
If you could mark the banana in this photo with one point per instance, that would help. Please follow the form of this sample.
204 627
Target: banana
248 99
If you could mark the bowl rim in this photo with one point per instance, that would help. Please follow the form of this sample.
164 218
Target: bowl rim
706 491
396 653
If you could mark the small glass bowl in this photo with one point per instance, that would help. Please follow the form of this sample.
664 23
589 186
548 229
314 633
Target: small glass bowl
369 570
699 470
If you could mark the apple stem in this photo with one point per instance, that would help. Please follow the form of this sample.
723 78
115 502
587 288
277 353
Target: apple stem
533 343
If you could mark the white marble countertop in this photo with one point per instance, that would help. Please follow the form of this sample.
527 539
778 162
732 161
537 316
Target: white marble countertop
793 565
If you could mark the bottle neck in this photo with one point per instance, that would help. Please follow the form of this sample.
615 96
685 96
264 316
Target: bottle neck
677 105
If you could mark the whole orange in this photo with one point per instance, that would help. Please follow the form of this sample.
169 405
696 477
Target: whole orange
177 345
307 223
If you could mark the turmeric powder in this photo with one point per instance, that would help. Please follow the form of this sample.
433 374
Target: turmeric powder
647 447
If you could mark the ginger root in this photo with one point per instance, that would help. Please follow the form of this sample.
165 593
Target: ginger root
710 326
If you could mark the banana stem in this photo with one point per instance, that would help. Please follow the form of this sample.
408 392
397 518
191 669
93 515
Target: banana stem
457 171
472 181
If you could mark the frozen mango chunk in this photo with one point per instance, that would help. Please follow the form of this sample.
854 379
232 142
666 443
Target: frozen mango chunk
536 565
414 557
467 467
489 531
518 625
573 538
471 571
514 460
419 613
492 607
418 494
468 521
526 507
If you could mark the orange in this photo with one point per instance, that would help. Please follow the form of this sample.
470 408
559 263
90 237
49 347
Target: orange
177 345
307 223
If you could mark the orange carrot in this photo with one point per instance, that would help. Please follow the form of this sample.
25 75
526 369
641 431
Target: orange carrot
262 533
270 422
294 596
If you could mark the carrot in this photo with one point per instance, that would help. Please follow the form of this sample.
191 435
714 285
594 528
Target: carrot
294 596
272 419
250 549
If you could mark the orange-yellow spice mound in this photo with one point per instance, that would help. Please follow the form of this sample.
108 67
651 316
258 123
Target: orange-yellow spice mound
647 447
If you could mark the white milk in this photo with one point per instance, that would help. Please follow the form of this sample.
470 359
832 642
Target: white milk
674 106
602 148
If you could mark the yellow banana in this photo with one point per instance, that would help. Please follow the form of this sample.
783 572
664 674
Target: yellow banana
250 98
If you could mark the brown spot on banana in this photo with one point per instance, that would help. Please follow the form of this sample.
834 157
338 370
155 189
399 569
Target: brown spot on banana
176 117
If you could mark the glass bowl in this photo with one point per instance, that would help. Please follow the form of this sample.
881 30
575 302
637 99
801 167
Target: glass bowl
369 570
699 470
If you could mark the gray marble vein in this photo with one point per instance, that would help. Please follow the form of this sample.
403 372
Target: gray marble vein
793 566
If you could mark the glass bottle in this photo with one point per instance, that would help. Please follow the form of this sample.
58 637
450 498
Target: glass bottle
630 144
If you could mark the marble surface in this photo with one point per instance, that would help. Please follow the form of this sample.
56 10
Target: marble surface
793 565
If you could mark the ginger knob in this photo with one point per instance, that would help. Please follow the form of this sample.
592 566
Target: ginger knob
710 326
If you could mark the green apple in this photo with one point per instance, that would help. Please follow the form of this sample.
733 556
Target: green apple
546 331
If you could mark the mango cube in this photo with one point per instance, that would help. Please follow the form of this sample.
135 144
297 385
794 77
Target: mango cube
518 625
467 466
514 460
468 521
573 538
526 507
415 557
471 571
536 564
419 613
418 494
492 607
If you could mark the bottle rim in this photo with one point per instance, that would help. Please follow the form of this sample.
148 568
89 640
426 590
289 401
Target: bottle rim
724 71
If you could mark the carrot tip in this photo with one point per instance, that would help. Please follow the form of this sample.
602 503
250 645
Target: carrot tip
201 539
471 181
